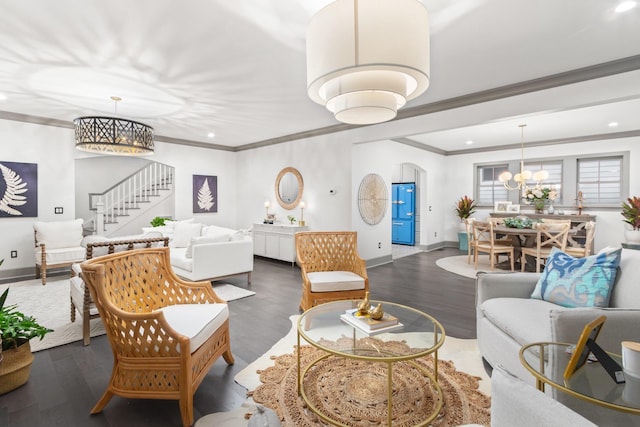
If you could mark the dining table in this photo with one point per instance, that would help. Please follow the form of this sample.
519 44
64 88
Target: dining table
521 237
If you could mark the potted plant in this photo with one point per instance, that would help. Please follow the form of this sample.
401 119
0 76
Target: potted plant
17 329
157 221
465 207
631 214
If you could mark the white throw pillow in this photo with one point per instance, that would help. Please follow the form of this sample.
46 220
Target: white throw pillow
59 234
201 240
172 224
221 232
183 233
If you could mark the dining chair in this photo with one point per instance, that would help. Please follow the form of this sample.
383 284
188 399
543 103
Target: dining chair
470 239
585 250
548 236
485 241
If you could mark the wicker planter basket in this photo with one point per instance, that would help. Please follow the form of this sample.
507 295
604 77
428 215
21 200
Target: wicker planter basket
15 367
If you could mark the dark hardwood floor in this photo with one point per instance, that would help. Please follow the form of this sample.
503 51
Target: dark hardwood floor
68 380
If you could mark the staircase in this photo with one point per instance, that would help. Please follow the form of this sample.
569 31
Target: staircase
123 203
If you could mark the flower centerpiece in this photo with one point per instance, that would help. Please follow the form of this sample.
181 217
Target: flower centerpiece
539 196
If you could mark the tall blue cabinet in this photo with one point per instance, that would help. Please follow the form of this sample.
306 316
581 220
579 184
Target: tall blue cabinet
403 218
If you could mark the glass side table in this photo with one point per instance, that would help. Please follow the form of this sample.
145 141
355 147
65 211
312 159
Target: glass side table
548 360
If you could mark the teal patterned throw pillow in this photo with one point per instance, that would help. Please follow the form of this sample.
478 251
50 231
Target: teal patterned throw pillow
578 282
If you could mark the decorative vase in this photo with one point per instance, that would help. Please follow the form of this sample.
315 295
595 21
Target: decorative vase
15 367
551 209
539 205
632 236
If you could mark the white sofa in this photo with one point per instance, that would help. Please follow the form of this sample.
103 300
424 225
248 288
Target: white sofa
208 252
507 319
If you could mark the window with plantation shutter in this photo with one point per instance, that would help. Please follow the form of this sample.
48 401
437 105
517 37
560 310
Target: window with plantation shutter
600 180
489 188
554 169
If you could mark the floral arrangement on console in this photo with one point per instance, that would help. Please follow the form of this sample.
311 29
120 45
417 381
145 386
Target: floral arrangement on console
538 196
465 207
631 212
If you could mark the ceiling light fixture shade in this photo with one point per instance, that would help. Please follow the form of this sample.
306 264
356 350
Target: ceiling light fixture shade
524 175
110 135
367 58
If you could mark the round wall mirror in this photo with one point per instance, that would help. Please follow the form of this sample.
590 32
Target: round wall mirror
289 188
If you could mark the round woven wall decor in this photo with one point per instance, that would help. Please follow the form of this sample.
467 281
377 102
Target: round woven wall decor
372 198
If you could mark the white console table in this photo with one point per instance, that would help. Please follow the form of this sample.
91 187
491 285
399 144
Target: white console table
276 241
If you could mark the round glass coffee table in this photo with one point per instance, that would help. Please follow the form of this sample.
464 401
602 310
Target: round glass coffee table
548 360
417 335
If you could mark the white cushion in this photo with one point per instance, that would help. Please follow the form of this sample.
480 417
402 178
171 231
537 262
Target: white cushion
523 319
221 232
172 224
331 281
201 240
179 259
183 233
93 239
196 321
77 295
61 255
59 234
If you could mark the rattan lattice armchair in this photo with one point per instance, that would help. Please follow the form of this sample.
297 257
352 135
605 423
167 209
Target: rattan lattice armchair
331 268
165 333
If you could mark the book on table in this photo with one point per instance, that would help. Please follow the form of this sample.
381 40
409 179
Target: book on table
368 324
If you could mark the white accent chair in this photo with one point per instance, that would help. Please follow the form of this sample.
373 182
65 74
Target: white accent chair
57 244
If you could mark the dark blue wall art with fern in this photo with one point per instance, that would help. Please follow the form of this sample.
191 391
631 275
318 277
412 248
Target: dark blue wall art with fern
18 190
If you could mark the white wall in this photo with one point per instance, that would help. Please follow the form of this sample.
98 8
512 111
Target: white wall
189 161
52 148
609 225
324 166
381 157
247 178
53 151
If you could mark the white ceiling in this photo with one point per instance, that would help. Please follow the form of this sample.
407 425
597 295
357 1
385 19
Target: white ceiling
237 68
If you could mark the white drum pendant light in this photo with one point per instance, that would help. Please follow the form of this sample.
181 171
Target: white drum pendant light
367 58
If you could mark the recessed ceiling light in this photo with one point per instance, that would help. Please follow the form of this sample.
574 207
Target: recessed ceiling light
625 6
613 124
3 97
211 135
469 142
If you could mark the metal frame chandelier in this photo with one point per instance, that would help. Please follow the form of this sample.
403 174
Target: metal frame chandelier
111 135
521 178
367 58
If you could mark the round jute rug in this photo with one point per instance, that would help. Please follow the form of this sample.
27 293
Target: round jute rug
355 391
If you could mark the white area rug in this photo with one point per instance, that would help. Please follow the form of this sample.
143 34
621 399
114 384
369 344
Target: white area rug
459 265
51 307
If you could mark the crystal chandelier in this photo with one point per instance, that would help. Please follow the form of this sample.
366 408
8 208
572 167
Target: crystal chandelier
519 179
111 135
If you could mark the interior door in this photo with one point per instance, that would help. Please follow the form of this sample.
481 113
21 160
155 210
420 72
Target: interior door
403 213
